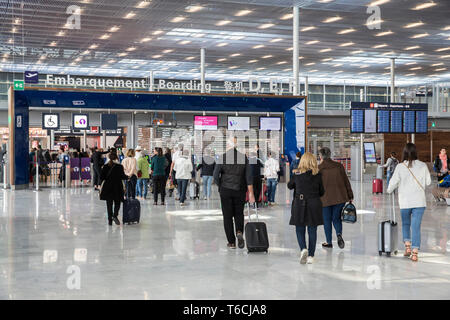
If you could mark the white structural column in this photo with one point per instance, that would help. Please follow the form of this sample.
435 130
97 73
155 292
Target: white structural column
295 51
392 80
306 86
202 69
151 81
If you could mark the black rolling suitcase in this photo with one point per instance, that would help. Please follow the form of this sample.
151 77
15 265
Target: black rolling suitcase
388 233
256 234
131 211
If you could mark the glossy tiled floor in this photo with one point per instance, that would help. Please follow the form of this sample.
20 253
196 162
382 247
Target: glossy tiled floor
53 240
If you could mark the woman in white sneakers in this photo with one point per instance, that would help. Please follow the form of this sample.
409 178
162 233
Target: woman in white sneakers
411 178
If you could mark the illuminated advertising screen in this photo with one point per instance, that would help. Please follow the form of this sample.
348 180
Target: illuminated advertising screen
270 123
369 152
238 123
205 122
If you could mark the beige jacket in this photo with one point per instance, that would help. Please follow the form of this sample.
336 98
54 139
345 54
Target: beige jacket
129 166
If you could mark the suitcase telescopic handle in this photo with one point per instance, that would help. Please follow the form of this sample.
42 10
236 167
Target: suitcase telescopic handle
248 212
393 207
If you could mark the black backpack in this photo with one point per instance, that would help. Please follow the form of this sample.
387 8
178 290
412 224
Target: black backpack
348 213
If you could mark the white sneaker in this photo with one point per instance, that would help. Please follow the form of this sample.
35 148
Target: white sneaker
303 256
310 260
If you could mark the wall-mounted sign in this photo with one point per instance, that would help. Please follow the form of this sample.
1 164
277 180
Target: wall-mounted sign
19 85
50 121
78 103
19 121
109 121
31 77
80 121
49 102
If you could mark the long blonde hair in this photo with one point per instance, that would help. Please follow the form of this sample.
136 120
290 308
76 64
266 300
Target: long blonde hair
308 162
131 153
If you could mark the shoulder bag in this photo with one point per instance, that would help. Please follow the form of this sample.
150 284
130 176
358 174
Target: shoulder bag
100 193
414 177
348 213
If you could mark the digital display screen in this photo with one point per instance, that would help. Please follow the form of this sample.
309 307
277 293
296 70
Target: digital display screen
270 123
383 121
396 121
369 152
109 121
370 121
421 121
205 122
409 121
239 123
357 121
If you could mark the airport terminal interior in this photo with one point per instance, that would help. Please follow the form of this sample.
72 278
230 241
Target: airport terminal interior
351 83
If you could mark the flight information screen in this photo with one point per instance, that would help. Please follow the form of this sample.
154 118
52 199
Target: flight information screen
409 122
357 121
370 121
383 121
421 121
396 121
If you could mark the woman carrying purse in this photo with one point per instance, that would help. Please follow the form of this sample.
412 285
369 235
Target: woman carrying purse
306 211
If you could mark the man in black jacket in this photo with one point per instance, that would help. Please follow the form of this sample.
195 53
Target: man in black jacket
97 163
232 174
256 165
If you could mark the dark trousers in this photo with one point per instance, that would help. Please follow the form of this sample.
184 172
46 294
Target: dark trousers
257 187
232 208
332 215
113 212
131 187
182 189
96 176
159 186
312 238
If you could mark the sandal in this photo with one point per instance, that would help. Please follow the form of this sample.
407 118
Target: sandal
407 250
415 256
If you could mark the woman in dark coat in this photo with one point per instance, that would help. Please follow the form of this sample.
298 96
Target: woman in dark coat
112 190
306 208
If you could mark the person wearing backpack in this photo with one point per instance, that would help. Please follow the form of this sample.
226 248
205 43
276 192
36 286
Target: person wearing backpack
391 163
411 178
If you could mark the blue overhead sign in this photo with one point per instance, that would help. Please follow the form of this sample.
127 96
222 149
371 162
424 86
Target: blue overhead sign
31 77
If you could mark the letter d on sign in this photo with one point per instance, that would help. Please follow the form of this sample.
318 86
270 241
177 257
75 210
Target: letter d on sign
74 280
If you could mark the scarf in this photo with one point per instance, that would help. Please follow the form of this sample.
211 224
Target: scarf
443 158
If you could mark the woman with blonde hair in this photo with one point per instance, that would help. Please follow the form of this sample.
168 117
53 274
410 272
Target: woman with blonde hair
130 167
306 210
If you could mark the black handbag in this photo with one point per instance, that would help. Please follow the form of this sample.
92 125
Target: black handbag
348 213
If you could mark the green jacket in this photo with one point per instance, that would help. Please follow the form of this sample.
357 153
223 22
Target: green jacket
159 165
142 165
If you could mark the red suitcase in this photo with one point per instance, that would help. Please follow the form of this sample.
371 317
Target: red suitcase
377 186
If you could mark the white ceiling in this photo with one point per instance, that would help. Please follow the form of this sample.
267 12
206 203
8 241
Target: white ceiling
29 39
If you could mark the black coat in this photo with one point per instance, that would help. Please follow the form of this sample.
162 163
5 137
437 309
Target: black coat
306 212
97 159
113 187
207 166
232 171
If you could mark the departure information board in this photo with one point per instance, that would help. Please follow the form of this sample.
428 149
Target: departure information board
373 117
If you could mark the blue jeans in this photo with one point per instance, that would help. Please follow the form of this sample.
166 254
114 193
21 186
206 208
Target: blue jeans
388 176
207 182
332 215
271 189
312 238
182 187
141 188
411 220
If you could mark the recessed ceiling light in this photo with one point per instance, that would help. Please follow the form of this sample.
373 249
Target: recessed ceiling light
446 56
327 59
307 28
425 5
105 36
178 19
312 42
446 28
156 56
418 54
143 4
357 51
276 40
237 37
415 68
325 1
310 64
378 3
222 44
131 48
261 68
114 29
332 19
437 64
440 69
129 15
122 54
340 71
390 53
146 40
364 66
190 58
104 65
198 35
258 46
184 42
420 35
410 74
412 48
267 56
17 21
413 25
326 50
442 49
287 16
253 61
221 59
364 72
223 22
111 61
408 64
385 33
194 8
93 46
157 32
380 46
338 65
347 44
265 26
243 13
232 67
289 49
53 44
61 34
168 51
315 70
85 52
235 55
281 62
300 58
345 31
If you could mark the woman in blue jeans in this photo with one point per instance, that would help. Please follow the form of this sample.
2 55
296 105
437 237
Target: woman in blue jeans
306 210
411 178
